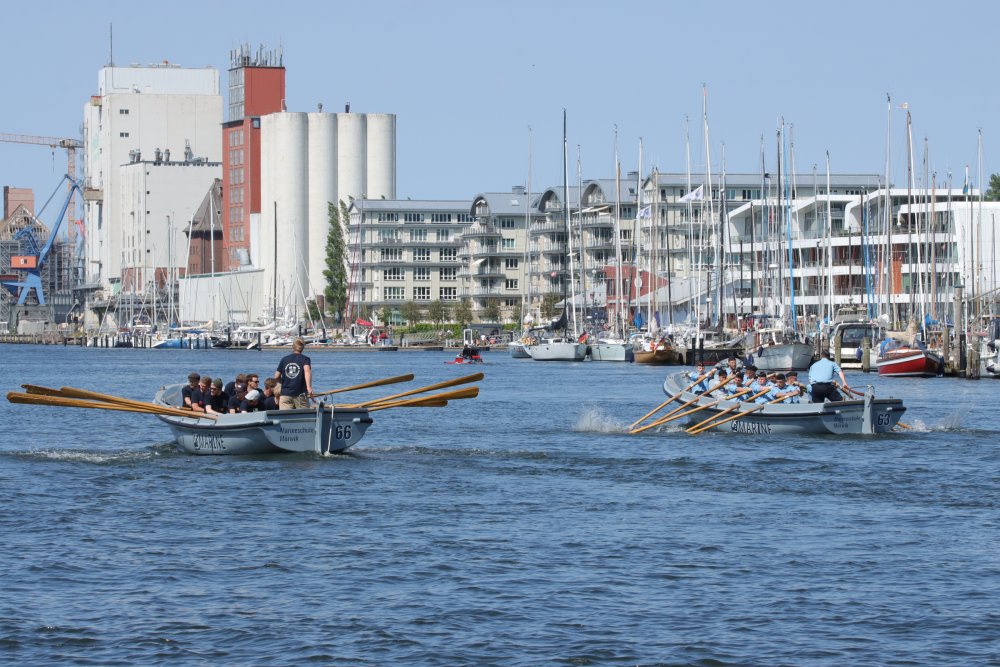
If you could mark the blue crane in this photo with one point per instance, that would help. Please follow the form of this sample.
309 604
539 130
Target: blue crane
35 259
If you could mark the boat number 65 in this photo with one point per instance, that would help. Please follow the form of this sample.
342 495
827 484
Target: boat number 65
342 432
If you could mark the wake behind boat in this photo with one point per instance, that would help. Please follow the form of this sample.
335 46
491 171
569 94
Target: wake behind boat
866 416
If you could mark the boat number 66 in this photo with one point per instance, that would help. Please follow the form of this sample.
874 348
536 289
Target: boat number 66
342 432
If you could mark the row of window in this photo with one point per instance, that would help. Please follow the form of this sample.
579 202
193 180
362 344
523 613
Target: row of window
236 176
419 255
236 138
235 156
393 216
424 294
420 274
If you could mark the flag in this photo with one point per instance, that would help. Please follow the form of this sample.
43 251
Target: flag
965 188
695 195
645 212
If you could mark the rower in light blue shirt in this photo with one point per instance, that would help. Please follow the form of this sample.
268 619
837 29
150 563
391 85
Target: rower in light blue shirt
698 371
821 376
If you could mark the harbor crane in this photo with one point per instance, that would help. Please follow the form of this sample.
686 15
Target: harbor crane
71 146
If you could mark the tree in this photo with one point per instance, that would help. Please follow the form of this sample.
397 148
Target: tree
411 312
548 308
385 315
335 272
463 312
491 313
437 312
993 194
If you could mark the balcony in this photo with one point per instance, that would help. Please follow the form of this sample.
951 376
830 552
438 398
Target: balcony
481 232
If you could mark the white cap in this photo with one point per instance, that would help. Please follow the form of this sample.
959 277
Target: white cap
253 395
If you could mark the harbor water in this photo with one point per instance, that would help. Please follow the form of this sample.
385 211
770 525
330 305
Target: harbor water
525 527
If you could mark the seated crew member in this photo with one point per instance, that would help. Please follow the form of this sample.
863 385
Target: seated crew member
698 371
218 403
821 376
780 390
760 384
186 391
239 384
270 397
236 400
792 380
201 396
252 402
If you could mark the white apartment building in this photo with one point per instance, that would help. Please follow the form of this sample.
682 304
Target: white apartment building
137 111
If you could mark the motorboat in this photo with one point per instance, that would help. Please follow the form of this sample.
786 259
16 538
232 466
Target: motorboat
899 358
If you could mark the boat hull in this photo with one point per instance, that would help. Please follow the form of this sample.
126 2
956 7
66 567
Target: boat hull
661 356
558 351
610 352
518 350
270 432
836 417
784 357
909 362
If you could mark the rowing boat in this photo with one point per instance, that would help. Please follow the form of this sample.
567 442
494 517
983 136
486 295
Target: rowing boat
869 415
321 430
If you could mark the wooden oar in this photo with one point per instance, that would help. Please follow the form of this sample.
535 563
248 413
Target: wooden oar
673 414
36 399
475 377
680 407
374 383
668 401
72 392
736 416
429 401
726 411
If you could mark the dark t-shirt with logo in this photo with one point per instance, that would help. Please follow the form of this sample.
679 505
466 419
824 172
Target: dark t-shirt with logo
293 375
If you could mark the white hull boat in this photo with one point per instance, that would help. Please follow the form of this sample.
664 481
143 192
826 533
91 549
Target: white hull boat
321 430
865 416
558 349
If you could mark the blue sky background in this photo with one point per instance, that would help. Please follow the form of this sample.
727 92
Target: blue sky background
466 80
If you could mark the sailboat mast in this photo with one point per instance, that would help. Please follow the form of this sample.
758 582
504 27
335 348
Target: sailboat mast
619 284
526 290
569 232
708 187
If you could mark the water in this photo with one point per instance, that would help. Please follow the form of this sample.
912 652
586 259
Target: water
522 528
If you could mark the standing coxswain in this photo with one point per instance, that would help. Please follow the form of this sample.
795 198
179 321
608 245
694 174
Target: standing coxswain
821 376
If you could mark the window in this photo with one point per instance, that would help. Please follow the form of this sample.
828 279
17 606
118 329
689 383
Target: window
444 235
421 293
510 284
449 254
448 293
123 112
510 263
507 244
421 273
512 303
123 135
387 235
506 223
422 254
466 217
395 293
449 273
440 217
413 217
418 234
392 254
385 216
395 273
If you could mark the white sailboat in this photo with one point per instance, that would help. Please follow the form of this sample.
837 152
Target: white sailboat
566 347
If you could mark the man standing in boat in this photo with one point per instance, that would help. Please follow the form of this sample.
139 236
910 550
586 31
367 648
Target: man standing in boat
821 376
295 375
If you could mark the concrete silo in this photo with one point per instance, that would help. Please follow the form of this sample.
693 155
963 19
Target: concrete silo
285 181
381 156
322 191
351 155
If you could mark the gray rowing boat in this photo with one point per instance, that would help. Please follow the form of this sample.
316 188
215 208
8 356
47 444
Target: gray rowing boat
868 416
322 430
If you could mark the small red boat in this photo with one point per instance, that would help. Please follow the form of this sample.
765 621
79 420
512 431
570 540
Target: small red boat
470 355
897 358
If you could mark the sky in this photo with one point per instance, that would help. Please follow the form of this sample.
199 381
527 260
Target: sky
479 88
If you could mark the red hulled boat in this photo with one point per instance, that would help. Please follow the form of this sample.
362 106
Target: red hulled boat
897 358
